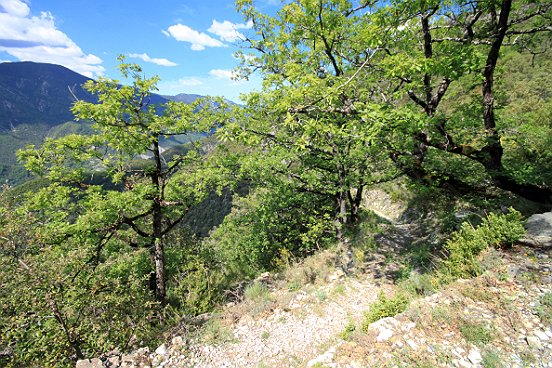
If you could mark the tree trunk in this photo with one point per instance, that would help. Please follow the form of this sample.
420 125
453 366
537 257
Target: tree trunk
354 203
341 215
157 227
492 154
344 244
159 254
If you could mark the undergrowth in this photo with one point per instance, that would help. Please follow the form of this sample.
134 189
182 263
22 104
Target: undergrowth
462 260
464 246
385 307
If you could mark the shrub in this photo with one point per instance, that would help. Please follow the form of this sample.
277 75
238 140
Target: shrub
467 243
475 333
384 307
544 308
256 291
348 330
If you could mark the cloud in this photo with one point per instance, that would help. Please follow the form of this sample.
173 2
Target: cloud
158 61
199 40
15 7
211 85
228 31
189 82
18 43
36 38
221 74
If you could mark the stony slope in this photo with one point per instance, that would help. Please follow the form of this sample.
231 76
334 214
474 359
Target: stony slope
500 319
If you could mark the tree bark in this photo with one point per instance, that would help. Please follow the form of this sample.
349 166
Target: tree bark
354 203
157 227
341 215
492 154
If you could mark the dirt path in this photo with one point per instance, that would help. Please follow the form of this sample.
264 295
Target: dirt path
295 332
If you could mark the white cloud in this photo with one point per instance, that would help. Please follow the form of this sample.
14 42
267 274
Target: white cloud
228 31
199 40
189 82
158 61
15 7
222 74
210 85
36 38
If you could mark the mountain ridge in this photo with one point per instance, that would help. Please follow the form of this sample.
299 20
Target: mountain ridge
35 100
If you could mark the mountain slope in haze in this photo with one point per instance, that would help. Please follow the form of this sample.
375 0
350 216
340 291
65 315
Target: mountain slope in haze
38 93
183 97
36 101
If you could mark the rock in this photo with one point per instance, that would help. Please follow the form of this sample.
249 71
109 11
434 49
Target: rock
264 278
534 342
113 361
161 350
412 344
475 357
464 363
384 323
336 275
177 342
384 335
323 359
90 363
139 358
542 336
408 326
539 230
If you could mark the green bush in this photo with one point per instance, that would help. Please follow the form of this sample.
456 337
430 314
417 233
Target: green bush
384 307
348 330
544 308
268 229
475 333
256 291
462 249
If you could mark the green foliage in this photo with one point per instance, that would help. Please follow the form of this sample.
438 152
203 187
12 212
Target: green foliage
257 298
491 359
101 262
349 329
476 333
267 229
419 284
313 127
465 244
11 171
256 292
385 307
544 308
47 307
216 332
345 104
196 279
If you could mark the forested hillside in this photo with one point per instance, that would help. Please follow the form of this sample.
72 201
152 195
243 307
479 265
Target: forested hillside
444 106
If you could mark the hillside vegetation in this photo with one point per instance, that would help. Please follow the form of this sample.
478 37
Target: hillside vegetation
438 107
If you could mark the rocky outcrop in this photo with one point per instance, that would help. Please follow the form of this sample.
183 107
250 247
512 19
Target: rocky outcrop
502 318
539 230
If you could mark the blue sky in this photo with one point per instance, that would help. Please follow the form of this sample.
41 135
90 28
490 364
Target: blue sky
189 44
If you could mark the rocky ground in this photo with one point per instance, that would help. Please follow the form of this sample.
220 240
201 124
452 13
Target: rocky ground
500 319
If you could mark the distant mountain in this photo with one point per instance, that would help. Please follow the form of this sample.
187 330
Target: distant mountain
35 102
38 93
183 97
